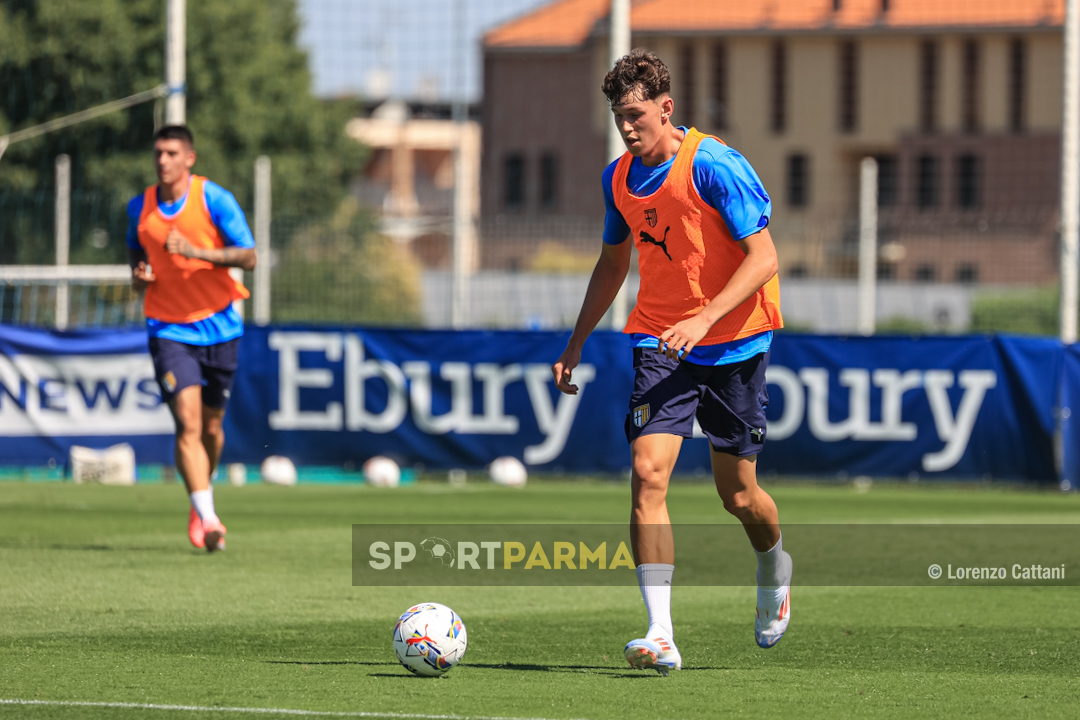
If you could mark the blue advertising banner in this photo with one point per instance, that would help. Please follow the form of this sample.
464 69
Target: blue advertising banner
970 407
956 406
1066 407
91 388
439 398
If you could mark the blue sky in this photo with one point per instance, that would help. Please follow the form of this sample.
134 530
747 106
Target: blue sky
401 48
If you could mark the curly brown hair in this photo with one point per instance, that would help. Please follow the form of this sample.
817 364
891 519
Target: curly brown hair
642 71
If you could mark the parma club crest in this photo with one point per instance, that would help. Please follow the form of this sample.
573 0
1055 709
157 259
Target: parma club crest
641 415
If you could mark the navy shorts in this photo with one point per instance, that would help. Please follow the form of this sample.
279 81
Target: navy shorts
728 400
179 365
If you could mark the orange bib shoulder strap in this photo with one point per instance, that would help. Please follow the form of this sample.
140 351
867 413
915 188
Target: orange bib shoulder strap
194 195
684 160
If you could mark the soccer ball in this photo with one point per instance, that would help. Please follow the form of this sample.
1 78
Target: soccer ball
278 470
508 471
381 471
429 639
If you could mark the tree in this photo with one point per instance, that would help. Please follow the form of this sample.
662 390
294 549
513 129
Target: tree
248 93
348 274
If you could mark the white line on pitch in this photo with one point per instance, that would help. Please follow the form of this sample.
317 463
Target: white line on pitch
259 711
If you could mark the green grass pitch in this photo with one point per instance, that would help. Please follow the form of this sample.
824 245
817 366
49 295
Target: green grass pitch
103 601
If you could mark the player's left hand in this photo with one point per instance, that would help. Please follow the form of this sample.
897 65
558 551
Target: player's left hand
563 370
677 341
177 244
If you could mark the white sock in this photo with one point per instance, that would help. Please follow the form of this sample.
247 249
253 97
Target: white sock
774 566
203 502
654 579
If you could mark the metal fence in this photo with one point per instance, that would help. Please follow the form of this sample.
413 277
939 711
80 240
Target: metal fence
953 274
965 138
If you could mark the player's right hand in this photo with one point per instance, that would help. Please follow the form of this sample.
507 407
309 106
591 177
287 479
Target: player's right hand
141 276
563 368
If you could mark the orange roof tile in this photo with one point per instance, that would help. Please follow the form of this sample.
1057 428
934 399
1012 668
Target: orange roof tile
662 15
564 23
569 22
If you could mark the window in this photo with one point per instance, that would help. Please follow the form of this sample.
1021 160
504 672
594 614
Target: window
688 94
969 91
1017 71
798 180
967 181
888 186
549 180
926 273
886 271
849 81
778 116
514 181
967 273
927 181
720 87
928 72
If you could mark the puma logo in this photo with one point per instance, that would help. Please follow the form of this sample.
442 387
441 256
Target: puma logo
662 244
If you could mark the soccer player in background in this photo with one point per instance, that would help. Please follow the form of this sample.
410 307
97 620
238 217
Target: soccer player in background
701 332
184 233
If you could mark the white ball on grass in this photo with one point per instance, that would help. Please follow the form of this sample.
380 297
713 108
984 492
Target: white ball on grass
381 471
278 470
508 471
430 639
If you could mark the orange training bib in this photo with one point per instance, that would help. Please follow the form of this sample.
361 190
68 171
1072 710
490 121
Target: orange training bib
686 255
186 290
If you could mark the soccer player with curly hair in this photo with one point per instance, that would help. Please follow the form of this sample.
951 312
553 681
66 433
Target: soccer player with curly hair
701 332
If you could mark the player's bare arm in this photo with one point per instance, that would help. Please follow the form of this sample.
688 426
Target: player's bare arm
239 257
757 268
607 278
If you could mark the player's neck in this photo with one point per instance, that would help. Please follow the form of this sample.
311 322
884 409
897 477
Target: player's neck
171 192
667 148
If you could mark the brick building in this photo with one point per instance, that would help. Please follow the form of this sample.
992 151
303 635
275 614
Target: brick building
959 101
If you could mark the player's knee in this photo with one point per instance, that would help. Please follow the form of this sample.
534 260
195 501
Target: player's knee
650 490
649 473
211 429
739 504
189 430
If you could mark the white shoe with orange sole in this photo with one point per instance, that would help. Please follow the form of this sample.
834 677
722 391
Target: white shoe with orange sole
658 653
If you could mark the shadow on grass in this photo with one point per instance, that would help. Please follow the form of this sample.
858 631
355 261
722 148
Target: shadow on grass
569 668
325 662
91 547
512 667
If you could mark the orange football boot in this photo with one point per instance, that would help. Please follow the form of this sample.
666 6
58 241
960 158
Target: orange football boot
195 529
